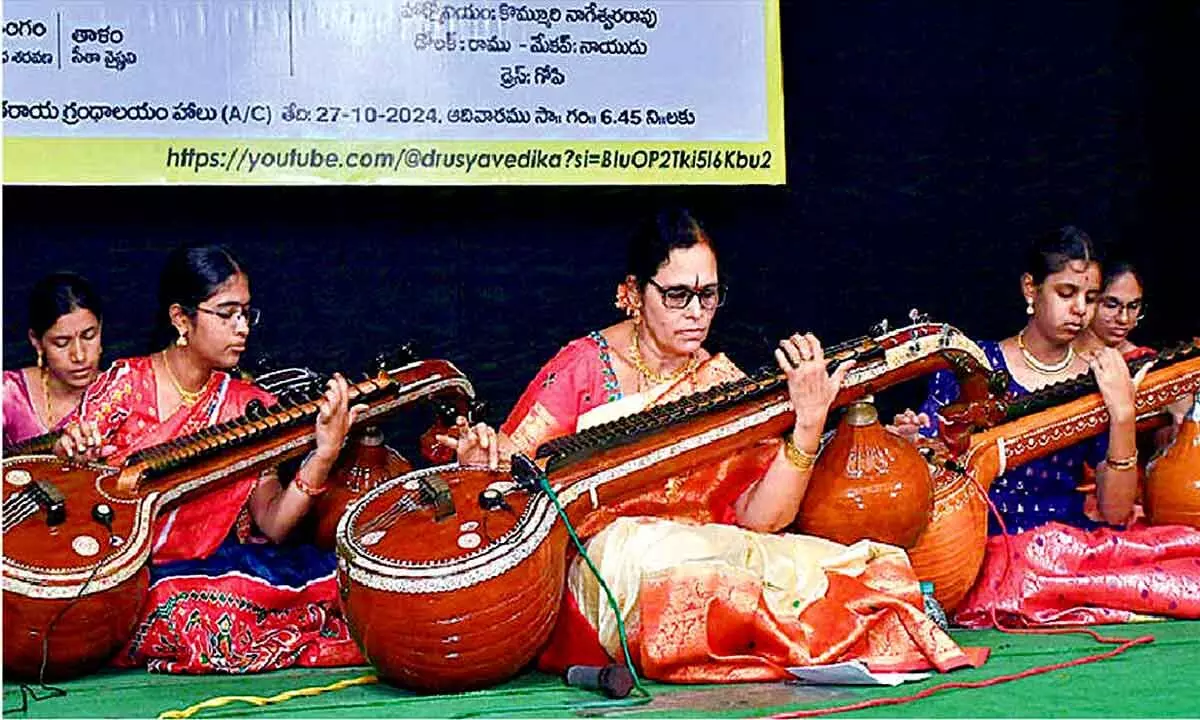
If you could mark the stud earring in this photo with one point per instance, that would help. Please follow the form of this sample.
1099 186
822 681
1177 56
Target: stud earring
181 341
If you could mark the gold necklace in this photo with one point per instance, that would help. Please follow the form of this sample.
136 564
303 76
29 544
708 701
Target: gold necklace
187 397
49 401
1040 367
635 354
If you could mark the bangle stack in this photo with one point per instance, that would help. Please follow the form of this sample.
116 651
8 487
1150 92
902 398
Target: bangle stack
801 460
1120 464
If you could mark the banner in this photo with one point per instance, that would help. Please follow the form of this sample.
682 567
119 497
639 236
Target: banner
392 91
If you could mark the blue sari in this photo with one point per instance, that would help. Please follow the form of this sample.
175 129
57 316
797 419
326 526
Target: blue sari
1038 492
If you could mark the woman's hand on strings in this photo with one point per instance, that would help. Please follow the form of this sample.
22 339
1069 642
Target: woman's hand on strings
908 424
478 445
82 442
1113 379
335 417
811 388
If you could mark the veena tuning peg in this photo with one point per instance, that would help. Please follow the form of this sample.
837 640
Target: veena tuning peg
917 317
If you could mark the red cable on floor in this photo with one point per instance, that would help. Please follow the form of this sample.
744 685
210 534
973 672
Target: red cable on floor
881 702
1121 643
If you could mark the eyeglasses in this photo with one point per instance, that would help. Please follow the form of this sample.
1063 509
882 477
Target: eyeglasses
232 314
1111 305
678 297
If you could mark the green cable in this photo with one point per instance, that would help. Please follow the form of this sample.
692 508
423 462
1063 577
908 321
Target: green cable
644 694
612 600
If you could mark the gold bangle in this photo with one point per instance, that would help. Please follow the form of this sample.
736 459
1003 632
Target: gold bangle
1119 464
307 489
801 460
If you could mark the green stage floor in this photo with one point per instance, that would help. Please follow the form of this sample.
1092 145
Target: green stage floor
1152 680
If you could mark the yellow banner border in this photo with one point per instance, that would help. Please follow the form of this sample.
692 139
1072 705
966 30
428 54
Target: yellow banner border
145 161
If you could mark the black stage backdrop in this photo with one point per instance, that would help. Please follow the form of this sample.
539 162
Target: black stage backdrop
927 142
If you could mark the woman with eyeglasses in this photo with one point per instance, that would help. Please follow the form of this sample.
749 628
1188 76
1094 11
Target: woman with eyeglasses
65 316
1118 312
226 594
1064 562
670 296
1061 288
1120 308
670 570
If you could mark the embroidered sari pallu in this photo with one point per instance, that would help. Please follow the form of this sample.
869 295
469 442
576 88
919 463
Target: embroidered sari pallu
716 603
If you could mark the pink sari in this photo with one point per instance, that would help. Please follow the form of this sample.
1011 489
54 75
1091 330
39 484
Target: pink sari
1062 575
221 599
20 419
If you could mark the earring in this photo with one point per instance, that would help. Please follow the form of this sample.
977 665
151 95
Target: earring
1029 306
40 358
181 341
626 302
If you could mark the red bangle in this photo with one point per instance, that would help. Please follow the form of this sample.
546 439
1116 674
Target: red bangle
306 489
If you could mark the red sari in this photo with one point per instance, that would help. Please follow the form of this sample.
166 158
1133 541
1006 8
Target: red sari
698 621
221 598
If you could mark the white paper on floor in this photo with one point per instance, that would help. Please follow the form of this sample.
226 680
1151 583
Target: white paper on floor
853 672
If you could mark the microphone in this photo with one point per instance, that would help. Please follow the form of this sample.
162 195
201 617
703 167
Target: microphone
615 681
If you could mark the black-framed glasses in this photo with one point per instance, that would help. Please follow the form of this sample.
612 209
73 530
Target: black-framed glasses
1113 306
677 297
232 314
